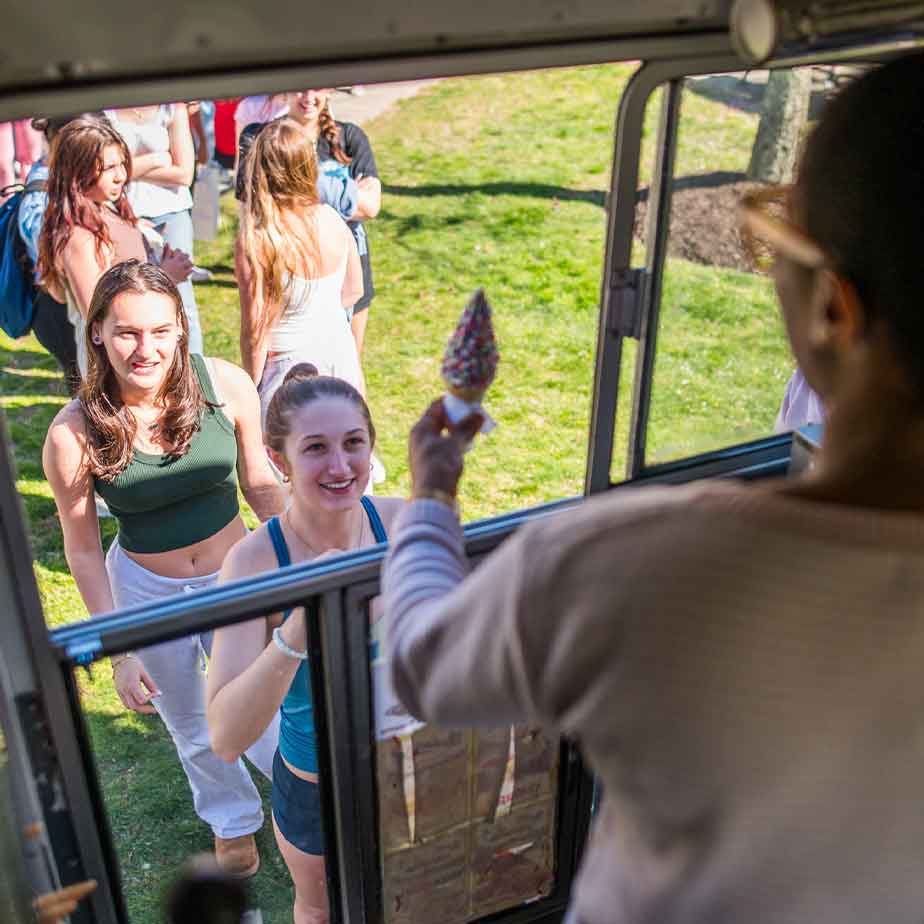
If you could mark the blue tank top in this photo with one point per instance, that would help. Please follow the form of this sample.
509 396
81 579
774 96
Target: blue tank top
297 743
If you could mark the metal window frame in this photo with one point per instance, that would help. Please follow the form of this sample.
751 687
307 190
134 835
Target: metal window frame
630 298
41 663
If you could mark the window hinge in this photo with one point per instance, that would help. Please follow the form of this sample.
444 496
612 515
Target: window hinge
627 288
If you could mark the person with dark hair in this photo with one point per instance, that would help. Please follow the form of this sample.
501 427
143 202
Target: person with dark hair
297 267
320 436
89 224
162 434
346 145
740 663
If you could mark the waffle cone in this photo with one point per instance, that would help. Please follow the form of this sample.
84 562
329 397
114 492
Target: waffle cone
468 395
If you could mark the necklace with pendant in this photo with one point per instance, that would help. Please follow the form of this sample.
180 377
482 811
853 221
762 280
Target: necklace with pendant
311 548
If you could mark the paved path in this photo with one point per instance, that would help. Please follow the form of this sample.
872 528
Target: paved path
373 100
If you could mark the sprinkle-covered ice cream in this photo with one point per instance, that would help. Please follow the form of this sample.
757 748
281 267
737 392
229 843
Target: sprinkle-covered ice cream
470 361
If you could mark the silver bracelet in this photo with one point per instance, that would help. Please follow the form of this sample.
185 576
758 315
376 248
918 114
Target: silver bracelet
286 649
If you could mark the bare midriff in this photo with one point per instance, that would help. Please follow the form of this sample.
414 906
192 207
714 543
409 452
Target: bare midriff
196 560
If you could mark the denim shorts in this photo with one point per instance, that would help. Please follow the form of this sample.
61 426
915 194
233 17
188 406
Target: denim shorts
297 809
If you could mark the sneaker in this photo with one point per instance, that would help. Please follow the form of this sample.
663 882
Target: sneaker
378 470
237 856
200 274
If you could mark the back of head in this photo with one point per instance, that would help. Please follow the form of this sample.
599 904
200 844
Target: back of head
860 194
280 175
282 165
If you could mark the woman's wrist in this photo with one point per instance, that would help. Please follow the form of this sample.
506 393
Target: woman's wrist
118 659
290 651
437 494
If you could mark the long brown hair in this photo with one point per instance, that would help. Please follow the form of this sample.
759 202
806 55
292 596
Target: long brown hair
75 164
110 425
280 183
303 385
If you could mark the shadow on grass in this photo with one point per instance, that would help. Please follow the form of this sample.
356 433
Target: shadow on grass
533 190
149 806
542 190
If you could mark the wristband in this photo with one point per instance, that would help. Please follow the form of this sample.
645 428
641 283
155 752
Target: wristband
286 649
442 497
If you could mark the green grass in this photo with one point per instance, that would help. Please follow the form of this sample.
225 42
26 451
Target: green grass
494 181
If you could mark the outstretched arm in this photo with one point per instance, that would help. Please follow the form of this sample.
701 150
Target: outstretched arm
249 675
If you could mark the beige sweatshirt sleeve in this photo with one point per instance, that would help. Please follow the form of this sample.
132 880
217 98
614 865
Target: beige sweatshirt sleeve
454 643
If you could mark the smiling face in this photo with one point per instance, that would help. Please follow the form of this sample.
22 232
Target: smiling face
113 175
140 333
305 105
327 454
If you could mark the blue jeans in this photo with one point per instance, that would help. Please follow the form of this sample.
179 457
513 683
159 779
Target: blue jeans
178 233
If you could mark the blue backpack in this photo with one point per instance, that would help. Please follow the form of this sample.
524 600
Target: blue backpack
16 270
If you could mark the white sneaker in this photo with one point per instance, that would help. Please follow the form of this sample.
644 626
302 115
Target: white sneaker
378 470
200 274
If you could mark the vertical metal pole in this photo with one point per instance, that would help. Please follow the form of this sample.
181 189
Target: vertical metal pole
46 711
617 256
659 213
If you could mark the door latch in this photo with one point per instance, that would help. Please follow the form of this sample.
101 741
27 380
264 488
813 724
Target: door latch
627 289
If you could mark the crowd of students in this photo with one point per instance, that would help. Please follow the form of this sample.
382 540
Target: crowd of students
159 436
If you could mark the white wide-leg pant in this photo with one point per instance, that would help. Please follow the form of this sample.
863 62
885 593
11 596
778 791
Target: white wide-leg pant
224 795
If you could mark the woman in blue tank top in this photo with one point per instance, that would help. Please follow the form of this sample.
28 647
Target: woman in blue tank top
320 435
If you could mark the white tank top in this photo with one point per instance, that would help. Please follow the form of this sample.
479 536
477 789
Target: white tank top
150 200
313 311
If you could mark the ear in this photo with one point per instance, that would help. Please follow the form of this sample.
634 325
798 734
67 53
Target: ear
279 460
96 334
837 316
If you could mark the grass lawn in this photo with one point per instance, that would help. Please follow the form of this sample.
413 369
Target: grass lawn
494 181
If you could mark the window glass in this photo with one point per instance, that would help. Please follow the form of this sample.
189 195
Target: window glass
467 818
722 362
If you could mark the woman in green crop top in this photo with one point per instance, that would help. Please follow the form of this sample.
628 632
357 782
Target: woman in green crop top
320 435
162 435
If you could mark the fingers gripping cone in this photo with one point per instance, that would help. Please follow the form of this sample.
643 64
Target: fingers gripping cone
470 362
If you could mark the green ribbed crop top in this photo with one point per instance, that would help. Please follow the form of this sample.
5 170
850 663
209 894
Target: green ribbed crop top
164 502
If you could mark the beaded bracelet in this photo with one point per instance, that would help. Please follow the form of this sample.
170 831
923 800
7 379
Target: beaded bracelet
287 649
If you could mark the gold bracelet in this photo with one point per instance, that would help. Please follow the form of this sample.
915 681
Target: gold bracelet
443 497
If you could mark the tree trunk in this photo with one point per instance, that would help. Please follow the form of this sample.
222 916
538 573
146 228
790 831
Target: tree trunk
785 112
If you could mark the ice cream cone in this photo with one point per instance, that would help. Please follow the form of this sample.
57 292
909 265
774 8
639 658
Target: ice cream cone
468 395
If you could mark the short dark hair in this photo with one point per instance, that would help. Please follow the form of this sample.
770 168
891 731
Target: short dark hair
860 195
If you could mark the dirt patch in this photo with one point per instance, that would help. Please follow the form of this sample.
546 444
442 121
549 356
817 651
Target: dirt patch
704 225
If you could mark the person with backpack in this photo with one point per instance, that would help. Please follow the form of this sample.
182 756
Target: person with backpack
89 224
45 315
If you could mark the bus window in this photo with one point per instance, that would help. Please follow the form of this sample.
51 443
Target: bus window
722 363
467 818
